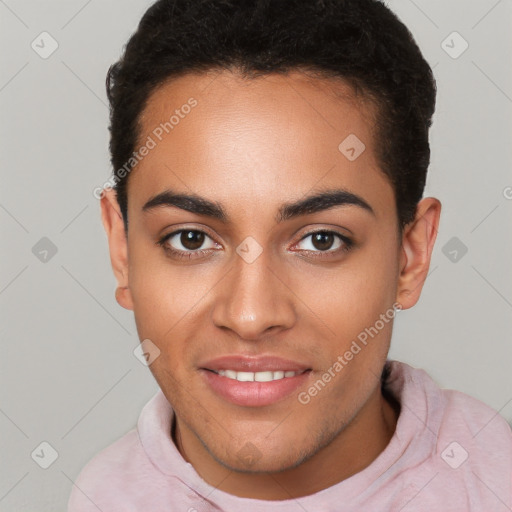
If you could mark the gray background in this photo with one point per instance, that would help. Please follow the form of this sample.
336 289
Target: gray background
69 375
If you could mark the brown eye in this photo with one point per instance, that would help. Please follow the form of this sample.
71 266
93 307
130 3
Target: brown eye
322 240
192 240
187 242
325 243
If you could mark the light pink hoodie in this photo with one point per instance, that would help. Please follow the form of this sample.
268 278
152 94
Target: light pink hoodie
449 453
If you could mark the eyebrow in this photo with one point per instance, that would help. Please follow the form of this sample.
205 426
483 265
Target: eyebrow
312 204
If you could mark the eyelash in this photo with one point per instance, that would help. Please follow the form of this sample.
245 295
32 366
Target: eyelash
348 244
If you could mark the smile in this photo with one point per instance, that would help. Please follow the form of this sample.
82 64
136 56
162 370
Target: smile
255 389
266 376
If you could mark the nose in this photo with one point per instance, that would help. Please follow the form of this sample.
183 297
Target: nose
253 300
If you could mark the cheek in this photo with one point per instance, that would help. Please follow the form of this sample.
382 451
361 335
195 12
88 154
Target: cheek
355 293
167 300
160 312
356 303
162 292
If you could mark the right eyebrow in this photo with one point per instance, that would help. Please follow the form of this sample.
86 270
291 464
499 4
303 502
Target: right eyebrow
188 202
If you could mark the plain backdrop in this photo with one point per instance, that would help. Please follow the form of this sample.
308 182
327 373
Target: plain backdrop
69 377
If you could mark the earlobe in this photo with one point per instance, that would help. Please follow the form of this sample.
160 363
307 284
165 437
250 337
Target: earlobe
416 251
123 297
118 246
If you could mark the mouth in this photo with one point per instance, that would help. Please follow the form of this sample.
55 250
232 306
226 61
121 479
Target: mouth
254 381
264 376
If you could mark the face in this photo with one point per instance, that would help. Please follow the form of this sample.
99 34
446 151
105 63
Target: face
286 251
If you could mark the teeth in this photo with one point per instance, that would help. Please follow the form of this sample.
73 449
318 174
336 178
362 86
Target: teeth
264 376
256 376
245 376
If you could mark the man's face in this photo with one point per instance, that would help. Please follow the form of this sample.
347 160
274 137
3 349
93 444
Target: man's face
257 287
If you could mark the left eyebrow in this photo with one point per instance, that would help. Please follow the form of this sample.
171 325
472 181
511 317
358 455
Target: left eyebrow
312 204
322 201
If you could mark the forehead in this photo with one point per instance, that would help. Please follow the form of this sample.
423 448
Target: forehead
259 139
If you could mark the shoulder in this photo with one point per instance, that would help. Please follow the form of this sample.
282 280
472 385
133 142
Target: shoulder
107 471
473 417
475 426
467 445
128 474
449 412
473 452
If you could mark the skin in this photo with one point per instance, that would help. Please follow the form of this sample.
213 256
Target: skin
251 146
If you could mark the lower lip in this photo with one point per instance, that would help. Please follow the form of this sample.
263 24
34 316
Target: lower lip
253 394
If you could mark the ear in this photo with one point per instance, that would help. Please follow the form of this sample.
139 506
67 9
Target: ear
118 245
416 250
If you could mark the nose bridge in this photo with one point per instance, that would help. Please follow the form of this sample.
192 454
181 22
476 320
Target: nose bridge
252 300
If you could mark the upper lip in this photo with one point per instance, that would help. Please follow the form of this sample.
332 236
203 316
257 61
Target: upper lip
253 364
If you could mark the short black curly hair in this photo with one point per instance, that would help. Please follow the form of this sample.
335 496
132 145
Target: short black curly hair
359 41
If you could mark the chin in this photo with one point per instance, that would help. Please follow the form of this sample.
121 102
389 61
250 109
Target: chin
251 460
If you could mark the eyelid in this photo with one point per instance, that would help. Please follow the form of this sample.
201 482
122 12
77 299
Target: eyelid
181 254
346 241
179 229
165 238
